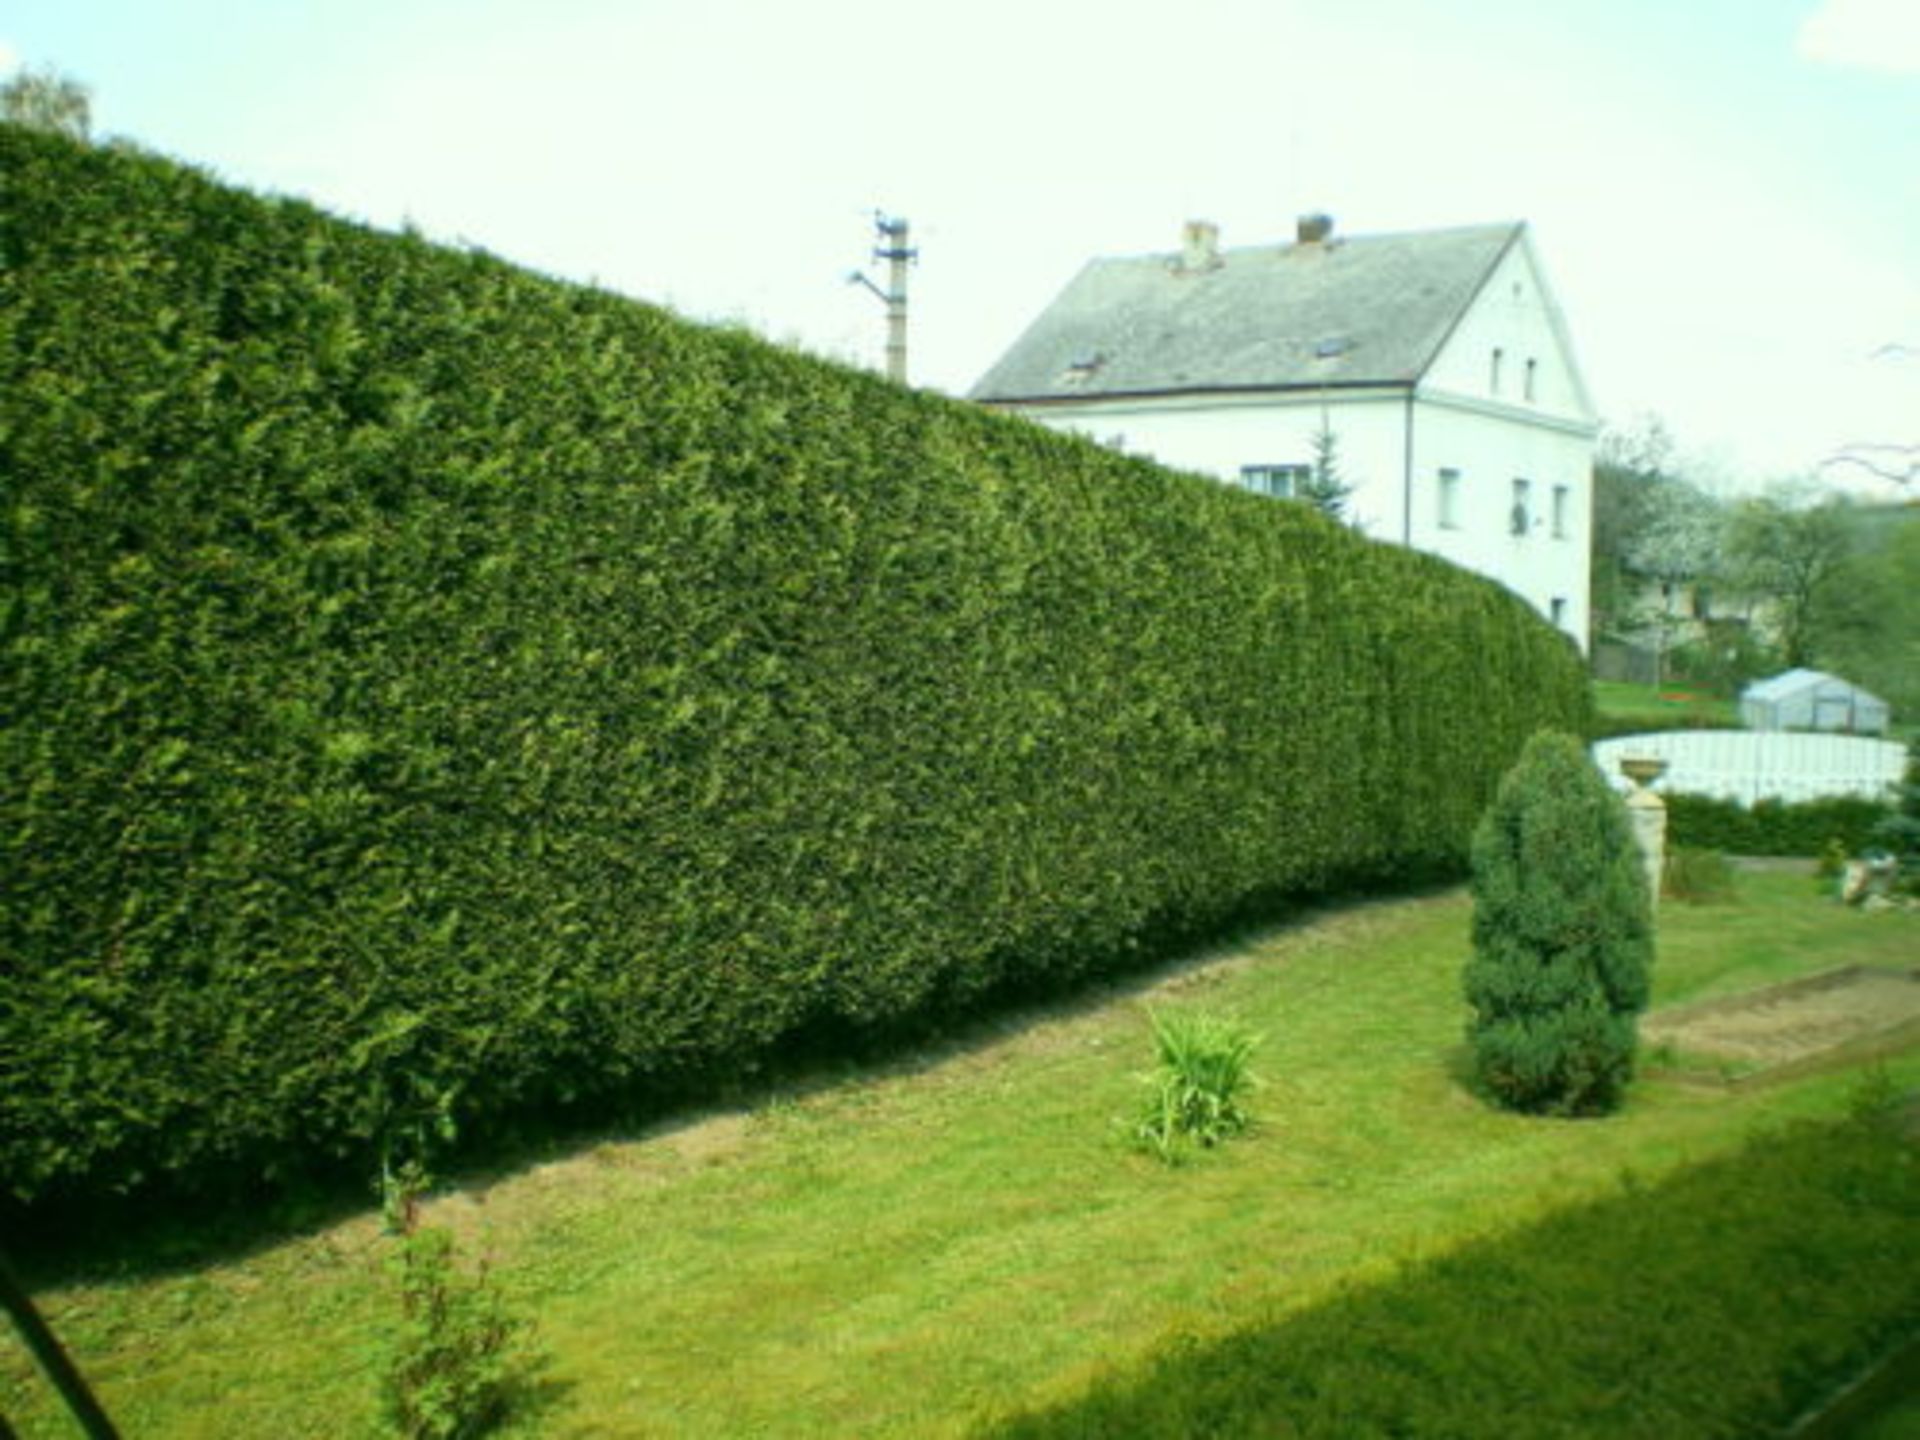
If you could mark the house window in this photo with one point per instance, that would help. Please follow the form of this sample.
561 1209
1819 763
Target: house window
1493 373
1449 497
1560 512
1533 371
1558 609
1521 518
1282 482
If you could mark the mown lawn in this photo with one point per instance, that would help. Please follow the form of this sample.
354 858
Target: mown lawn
1676 703
927 1249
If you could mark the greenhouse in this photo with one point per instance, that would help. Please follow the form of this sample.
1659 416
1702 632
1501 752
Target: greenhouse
1812 700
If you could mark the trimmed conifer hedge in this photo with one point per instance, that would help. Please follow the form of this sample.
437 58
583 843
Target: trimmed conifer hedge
1775 827
429 685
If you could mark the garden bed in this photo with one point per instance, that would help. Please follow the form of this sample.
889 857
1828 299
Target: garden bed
1763 1035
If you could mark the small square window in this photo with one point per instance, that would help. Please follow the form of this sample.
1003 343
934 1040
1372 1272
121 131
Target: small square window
1558 610
1561 509
1521 519
1533 373
1493 371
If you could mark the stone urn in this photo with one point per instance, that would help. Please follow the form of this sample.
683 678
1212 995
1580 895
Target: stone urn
1642 770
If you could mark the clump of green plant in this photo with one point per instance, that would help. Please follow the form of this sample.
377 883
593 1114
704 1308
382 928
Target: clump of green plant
455 1364
458 1358
1562 936
1197 1090
1697 877
1833 860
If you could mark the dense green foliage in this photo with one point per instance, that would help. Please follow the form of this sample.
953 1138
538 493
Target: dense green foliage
436 691
1868 621
1721 1303
1899 833
1773 827
1562 936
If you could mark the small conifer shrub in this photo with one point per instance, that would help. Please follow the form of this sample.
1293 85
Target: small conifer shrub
1562 936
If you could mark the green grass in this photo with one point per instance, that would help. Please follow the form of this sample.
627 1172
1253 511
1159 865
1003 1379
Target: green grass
1674 702
927 1249
1718 1303
1902 1422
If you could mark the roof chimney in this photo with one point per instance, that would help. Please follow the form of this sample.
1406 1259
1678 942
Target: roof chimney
1313 229
1200 246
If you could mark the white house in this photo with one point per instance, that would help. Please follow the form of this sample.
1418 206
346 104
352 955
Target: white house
1437 360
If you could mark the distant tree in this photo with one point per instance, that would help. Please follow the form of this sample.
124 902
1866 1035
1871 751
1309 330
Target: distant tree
1619 502
1324 486
1655 532
1649 525
1790 555
1641 446
1866 623
1562 936
47 100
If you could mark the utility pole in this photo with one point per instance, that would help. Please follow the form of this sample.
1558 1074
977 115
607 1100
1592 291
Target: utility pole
893 249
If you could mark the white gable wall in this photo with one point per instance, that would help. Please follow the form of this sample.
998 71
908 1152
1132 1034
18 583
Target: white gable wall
1514 314
1502 402
1549 563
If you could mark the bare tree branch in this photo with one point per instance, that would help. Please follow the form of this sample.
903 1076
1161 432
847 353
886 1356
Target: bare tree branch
1898 463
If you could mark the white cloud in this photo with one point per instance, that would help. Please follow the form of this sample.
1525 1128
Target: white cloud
1871 34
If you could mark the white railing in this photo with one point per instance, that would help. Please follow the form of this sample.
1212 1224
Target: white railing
1750 765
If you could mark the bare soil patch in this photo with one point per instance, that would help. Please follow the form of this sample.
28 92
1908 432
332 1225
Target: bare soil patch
1786 1029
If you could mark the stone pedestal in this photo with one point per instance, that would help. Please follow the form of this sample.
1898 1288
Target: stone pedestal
1649 815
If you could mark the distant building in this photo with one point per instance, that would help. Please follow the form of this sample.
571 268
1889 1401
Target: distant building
1812 700
1437 360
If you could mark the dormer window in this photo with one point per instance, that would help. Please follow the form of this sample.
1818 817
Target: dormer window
1081 369
1493 371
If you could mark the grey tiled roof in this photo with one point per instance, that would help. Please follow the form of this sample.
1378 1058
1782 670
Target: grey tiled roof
1364 310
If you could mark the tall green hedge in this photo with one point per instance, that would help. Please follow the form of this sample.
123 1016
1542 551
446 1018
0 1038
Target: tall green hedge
426 679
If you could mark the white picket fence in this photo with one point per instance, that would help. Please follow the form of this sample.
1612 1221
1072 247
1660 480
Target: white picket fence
1750 765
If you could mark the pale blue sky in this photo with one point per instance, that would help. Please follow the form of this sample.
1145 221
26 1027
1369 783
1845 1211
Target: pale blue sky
1726 193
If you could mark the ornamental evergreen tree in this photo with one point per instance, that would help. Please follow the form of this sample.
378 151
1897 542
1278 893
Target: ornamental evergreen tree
1325 487
1562 936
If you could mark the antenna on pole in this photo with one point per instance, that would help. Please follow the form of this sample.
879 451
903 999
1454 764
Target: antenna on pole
893 249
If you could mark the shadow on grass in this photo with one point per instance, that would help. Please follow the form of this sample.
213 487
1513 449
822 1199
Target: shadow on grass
163 1230
1724 1301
